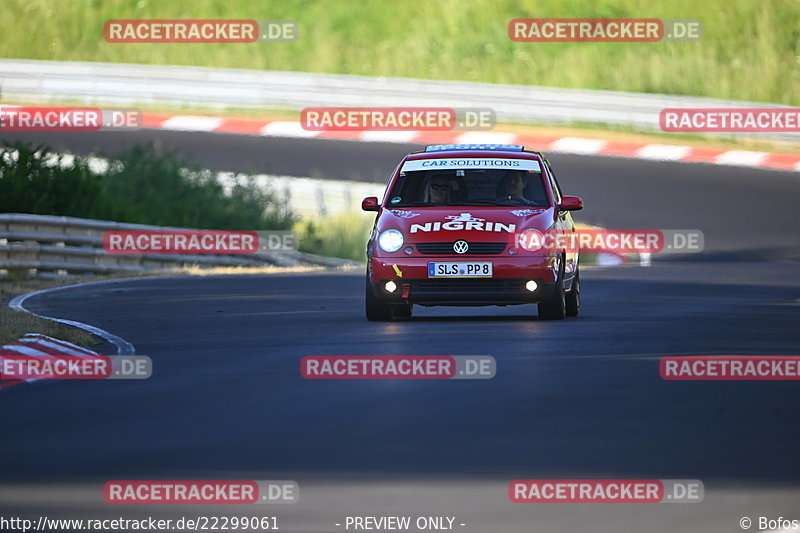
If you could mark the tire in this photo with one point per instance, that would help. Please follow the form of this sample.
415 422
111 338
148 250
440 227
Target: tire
402 311
573 297
555 307
376 310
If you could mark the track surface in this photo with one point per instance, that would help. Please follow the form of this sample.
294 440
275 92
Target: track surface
579 398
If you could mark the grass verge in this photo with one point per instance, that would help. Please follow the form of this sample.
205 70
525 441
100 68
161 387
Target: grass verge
748 50
344 235
14 324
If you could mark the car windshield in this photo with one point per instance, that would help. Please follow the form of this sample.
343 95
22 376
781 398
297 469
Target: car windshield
469 187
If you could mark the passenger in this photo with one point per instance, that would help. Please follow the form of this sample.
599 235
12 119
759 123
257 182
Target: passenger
439 190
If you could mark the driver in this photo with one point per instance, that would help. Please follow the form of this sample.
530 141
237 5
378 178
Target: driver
515 183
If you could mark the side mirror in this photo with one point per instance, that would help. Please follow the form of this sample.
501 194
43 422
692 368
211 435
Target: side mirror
571 203
370 203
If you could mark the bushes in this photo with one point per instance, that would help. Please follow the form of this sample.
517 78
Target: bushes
139 186
34 182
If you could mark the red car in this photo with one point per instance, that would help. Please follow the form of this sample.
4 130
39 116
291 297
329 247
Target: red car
452 228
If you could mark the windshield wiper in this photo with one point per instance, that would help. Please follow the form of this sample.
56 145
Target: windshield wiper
482 202
511 202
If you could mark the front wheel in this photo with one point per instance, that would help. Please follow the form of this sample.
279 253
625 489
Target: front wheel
555 307
377 311
573 298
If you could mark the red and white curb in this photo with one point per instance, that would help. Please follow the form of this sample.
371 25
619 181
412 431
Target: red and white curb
571 145
36 345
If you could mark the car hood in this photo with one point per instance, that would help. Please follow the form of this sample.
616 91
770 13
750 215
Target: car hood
472 223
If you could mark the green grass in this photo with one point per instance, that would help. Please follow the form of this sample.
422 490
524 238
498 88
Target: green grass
344 235
750 49
16 324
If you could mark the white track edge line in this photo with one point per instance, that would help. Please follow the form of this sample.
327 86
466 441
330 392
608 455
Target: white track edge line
123 347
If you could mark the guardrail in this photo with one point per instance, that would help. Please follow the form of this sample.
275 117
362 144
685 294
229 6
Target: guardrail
53 245
129 84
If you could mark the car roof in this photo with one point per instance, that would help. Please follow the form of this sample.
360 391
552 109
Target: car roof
481 150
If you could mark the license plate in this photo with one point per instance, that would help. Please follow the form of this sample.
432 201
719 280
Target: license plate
472 269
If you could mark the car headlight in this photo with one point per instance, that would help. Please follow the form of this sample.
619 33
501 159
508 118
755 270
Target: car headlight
530 240
390 240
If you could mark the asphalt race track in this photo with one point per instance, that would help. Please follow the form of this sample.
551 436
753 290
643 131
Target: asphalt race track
580 398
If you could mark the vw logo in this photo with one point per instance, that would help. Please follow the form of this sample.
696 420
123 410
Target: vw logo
460 247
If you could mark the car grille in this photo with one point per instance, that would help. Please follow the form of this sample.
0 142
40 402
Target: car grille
429 286
475 248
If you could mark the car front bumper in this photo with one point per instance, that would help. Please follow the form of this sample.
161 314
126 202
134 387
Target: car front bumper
505 287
